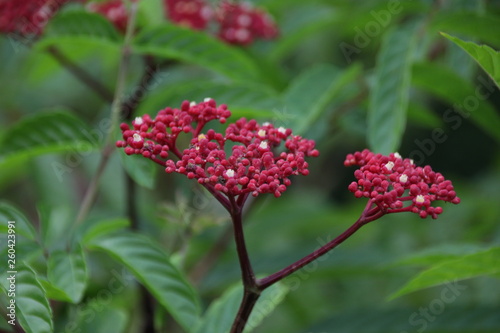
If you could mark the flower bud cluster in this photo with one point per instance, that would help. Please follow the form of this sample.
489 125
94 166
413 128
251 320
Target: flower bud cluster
194 14
241 23
246 159
389 181
27 17
237 22
114 10
154 138
252 165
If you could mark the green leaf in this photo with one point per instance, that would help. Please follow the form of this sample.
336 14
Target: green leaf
221 313
470 24
32 307
105 321
142 170
439 253
54 293
468 101
96 228
22 226
486 57
150 265
479 318
423 116
309 94
301 23
449 271
68 272
54 225
174 42
391 90
79 26
44 133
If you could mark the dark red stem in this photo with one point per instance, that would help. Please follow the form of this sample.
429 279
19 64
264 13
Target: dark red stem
251 291
369 214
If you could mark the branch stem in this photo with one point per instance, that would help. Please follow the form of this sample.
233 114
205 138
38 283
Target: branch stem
108 149
251 291
81 74
367 216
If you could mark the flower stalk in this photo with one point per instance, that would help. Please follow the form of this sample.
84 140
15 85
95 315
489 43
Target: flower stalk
390 183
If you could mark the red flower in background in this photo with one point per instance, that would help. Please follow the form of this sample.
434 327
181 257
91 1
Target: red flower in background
27 17
194 14
247 159
390 181
115 11
241 23
238 23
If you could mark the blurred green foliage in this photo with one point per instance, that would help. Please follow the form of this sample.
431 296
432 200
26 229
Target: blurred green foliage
348 74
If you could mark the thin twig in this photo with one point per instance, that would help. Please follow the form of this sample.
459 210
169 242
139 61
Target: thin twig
367 216
205 264
81 74
108 149
251 292
129 106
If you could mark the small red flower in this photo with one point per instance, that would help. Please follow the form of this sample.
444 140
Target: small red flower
114 10
194 14
241 24
27 17
390 181
247 159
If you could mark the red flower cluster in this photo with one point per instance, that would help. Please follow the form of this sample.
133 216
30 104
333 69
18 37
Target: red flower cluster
114 10
240 23
388 181
244 160
194 14
27 17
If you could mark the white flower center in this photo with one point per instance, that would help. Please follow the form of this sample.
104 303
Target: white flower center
207 99
244 20
420 199
193 103
137 137
138 121
261 132
389 165
403 178
230 173
282 130
397 155
263 145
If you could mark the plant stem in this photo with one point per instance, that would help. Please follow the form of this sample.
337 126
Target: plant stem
251 291
151 69
245 265
108 149
367 216
208 261
247 304
81 74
